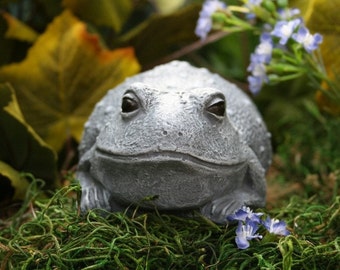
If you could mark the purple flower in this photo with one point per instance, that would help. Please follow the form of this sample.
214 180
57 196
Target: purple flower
255 2
257 65
285 29
286 14
249 222
204 22
276 226
265 48
246 232
258 76
309 42
252 3
245 213
258 61
256 83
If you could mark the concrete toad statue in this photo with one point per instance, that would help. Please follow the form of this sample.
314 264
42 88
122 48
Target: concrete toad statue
178 133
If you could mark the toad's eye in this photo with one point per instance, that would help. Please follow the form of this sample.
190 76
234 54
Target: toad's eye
129 105
217 108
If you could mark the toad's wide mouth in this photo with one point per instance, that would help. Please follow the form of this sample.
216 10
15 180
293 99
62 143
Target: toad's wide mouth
179 180
164 156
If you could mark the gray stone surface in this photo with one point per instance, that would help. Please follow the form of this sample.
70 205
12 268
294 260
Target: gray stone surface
181 134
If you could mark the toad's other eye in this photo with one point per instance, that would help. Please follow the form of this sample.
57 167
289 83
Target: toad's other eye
129 105
217 108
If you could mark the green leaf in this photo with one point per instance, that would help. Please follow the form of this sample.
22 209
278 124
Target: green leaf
111 13
64 75
12 49
166 6
20 147
162 34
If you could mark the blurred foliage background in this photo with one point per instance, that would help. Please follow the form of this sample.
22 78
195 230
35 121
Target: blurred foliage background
59 57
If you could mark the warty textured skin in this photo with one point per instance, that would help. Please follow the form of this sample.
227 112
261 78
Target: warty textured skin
178 133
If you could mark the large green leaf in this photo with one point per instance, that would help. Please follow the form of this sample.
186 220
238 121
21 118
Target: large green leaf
64 75
112 13
21 149
323 16
162 34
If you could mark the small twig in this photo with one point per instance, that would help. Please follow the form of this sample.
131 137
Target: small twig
70 154
32 210
188 49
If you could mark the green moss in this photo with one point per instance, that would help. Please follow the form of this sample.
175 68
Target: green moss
50 234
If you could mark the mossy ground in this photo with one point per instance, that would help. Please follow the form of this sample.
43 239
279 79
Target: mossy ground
303 190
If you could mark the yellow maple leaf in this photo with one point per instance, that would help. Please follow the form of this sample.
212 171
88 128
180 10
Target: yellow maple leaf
66 72
167 7
18 30
13 185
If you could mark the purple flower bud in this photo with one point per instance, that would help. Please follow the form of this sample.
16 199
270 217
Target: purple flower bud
245 213
255 2
250 5
256 83
286 14
204 22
